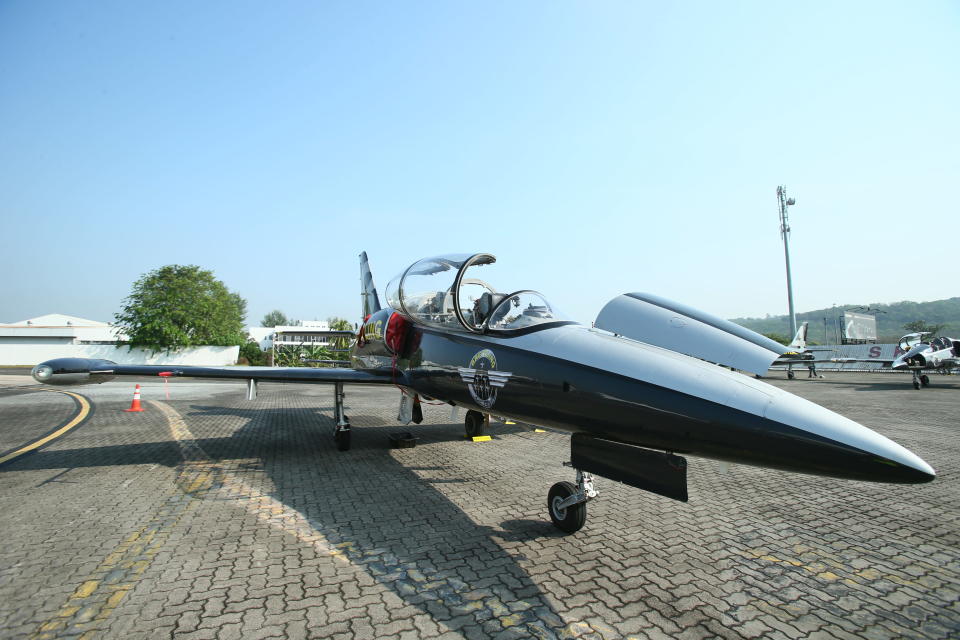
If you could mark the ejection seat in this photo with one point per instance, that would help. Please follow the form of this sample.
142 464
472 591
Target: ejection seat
484 305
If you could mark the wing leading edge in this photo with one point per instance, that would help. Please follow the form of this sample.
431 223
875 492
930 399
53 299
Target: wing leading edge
86 371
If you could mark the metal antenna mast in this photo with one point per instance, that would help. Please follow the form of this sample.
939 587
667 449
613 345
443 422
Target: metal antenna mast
785 202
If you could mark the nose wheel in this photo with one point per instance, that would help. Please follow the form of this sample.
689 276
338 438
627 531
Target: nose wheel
920 380
567 502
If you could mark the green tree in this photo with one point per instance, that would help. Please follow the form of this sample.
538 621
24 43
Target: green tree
250 351
778 337
918 326
340 343
275 318
181 306
339 324
316 352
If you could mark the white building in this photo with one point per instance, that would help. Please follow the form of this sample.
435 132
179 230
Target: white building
57 328
307 333
56 335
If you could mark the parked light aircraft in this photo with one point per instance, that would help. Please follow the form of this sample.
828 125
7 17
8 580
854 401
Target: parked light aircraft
918 355
799 354
631 389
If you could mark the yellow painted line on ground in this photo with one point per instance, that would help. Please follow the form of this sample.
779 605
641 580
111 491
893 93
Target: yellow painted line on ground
85 612
288 520
265 508
73 422
821 563
201 478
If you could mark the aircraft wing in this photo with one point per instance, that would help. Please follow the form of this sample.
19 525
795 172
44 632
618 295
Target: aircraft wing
888 362
787 359
84 371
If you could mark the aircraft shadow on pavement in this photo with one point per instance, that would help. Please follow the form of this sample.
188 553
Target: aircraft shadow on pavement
375 511
433 432
525 530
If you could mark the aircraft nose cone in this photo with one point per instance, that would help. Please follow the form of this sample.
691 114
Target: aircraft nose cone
848 448
42 373
917 473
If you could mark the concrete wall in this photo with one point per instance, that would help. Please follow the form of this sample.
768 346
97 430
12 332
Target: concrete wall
19 354
27 340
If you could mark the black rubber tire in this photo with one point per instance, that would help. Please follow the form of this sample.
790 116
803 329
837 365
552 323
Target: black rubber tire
916 383
342 439
925 380
790 375
571 519
475 424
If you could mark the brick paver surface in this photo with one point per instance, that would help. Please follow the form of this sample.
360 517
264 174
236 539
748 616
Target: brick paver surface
210 516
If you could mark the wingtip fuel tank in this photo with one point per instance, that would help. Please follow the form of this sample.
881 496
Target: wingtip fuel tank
73 371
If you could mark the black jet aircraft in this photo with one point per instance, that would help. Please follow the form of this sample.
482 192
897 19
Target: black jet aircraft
634 390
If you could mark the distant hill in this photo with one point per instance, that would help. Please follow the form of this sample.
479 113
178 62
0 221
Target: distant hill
890 319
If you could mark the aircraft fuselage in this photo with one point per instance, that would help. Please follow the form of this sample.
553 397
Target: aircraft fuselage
926 356
581 380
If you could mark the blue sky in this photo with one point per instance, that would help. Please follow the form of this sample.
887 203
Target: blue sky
595 148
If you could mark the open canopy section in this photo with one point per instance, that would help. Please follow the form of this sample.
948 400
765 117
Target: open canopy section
911 340
424 292
449 291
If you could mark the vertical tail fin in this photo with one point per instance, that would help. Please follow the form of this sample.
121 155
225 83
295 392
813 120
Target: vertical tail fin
800 340
368 293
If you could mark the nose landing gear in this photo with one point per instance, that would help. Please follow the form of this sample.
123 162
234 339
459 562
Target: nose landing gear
567 502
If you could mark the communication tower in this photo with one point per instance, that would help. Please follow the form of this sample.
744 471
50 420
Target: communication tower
785 202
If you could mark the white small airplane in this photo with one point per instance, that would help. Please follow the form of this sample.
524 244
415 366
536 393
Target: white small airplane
917 355
799 354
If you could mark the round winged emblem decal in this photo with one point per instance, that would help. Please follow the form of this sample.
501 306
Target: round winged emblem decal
482 378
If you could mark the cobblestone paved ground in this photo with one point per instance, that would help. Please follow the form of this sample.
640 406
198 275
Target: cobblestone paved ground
209 516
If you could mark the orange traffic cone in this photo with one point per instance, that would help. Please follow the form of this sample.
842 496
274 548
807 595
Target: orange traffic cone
135 405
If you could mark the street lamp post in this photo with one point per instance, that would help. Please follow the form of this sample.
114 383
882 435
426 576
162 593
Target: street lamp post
785 232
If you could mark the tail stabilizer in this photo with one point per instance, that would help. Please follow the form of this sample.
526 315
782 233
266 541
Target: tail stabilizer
368 293
800 340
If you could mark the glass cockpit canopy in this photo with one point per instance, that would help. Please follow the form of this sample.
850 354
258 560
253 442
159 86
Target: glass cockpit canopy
445 291
911 340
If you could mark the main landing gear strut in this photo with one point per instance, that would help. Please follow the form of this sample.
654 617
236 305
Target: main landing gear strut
567 502
341 431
